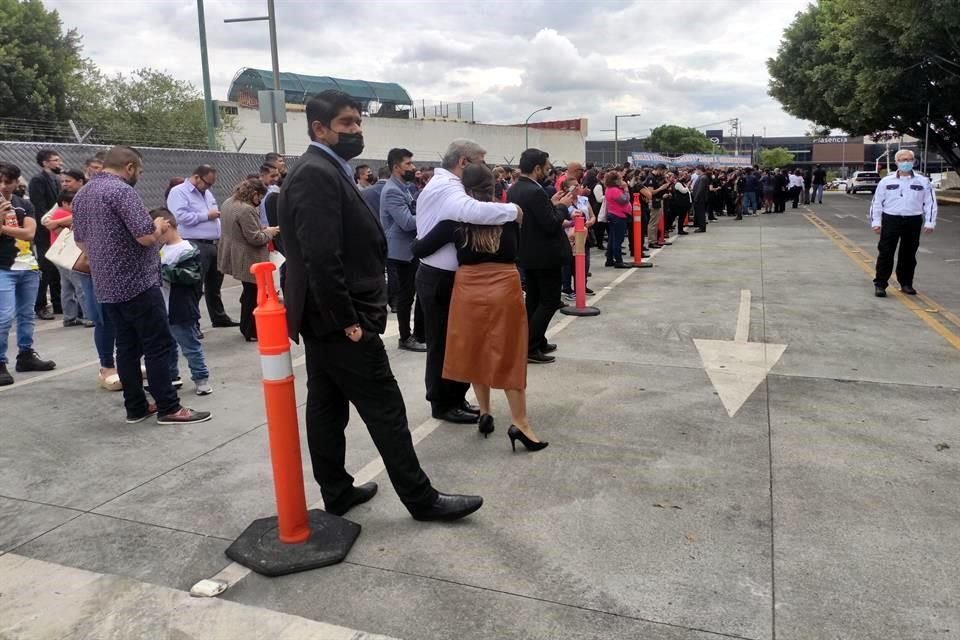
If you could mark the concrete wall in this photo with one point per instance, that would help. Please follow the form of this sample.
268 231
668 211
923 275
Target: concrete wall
427 139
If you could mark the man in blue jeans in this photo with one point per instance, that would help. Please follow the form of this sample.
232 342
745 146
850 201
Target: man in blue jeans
111 224
19 276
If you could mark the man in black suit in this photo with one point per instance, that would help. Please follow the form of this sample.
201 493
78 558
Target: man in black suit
336 299
44 190
700 198
544 248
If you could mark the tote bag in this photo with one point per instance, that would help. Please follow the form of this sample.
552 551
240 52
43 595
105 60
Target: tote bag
65 253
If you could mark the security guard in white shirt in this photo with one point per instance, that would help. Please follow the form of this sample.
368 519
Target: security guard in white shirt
903 204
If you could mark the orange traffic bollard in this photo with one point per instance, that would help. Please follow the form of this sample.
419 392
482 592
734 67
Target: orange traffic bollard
580 271
296 539
638 262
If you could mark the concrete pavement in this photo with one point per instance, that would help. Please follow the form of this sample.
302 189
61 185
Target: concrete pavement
824 507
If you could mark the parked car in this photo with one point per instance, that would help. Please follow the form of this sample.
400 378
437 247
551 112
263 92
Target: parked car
863 181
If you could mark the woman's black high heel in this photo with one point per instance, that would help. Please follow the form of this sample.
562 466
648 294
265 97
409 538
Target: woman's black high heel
486 426
515 434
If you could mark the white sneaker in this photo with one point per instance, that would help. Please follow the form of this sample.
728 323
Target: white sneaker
203 388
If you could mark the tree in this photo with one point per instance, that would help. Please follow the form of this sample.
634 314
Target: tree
147 108
669 138
870 67
36 61
775 158
817 131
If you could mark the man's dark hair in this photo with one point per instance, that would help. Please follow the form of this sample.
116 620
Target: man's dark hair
383 172
267 167
66 197
359 170
327 105
94 160
45 154
120 156
203 171
9 171
165 214
100 155
273 156
397 156
76 175
532 158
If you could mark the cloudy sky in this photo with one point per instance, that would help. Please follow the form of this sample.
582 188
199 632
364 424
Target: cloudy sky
687 62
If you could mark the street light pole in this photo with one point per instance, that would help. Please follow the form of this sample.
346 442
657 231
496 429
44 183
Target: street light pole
205 68
616 135
926 141
526 128
276 129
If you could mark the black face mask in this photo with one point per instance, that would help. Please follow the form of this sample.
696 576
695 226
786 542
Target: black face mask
56 170
349 145
408 176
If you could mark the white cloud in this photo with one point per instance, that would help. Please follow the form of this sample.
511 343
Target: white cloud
686 62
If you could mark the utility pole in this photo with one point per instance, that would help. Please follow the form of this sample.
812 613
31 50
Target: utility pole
205 68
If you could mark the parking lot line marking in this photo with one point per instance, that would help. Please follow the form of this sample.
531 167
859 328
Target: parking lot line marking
931 315
49 374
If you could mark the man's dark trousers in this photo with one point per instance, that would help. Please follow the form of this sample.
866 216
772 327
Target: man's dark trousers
543 300
339 373
435 289
405 276
700 215
49 279
905 230
143 331
211 280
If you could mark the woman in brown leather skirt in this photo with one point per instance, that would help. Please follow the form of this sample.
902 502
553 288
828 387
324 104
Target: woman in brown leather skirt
487 332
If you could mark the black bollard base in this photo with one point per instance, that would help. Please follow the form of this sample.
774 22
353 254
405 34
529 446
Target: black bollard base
636 265
259 547
585 312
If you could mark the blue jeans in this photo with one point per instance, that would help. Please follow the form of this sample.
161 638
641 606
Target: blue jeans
818 193
143 331
750 204
617 228
104 338
71 295
188 337
18 297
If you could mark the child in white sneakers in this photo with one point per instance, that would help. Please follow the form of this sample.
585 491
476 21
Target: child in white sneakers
180 267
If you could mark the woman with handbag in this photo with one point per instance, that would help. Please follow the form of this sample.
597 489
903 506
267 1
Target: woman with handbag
243 243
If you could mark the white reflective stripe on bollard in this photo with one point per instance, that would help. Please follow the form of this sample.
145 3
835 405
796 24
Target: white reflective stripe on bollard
278 367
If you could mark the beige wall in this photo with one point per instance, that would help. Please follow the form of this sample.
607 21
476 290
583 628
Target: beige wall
426 138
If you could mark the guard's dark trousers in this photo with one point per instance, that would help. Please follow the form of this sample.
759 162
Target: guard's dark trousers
905 230
341 372
435 289
543 300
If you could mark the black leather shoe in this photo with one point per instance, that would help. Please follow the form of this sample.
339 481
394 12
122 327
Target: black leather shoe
683 233
447 507
470 408
880 292
907 289
549 348
226 323
459 416
539 357
699 230
357 495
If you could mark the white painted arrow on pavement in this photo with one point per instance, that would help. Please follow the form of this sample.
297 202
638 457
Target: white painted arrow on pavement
737 368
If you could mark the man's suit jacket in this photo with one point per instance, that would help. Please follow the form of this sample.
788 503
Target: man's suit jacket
44 191
543 243
335 250
701 191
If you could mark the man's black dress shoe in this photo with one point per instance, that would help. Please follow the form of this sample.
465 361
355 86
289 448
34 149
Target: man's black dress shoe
458 416
683 233
470 408
226 323
357 495
447 507
549 348
880 292
699 230
907 289
539 357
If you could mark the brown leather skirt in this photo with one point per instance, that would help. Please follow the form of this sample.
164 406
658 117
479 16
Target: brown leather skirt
487 331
